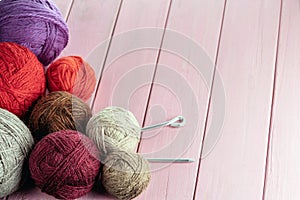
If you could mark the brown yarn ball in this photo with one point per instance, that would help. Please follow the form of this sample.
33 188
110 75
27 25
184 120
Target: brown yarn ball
125 175
59 111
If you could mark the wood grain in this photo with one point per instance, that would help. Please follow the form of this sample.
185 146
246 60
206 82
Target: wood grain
235 168
131 59
91 26
64 6
181 87
160 73
283 172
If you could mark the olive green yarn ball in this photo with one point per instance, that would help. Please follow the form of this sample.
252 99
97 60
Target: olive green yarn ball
125 175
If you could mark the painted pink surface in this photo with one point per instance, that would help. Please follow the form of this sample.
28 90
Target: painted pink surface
90 24
233 163
235 169
34 193
181 87
64 6
283 172
129 67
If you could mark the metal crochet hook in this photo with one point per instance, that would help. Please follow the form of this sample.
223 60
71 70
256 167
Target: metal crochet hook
170 160
178 121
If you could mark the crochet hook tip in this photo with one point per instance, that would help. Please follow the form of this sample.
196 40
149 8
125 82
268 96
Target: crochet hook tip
170 160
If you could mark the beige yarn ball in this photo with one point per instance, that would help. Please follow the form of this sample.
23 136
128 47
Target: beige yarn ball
125 175
114 128
15 143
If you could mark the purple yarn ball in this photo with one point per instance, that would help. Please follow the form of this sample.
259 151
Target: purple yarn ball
35 24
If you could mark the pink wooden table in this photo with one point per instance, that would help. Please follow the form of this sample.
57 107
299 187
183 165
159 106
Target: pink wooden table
231 67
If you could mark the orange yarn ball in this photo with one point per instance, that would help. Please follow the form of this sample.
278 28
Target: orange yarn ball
22 78
71 74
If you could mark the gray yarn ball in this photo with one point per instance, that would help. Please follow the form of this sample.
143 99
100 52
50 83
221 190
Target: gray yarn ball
114 128
15 143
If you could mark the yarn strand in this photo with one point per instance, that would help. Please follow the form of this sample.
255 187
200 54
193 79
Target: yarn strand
176 122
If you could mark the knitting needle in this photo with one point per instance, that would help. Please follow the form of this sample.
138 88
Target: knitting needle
170 160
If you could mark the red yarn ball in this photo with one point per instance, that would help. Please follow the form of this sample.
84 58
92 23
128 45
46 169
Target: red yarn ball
71 74
65 164
22 78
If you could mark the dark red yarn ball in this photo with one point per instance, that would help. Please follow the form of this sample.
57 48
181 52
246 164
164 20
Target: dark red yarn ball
65 164
22 78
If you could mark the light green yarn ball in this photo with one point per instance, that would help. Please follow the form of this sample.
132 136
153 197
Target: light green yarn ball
15 143
114 128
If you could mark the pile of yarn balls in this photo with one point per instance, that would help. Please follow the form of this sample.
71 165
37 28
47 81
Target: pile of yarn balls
48 133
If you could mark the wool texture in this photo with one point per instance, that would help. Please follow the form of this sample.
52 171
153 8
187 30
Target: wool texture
114 128
58 111
22 78
65 164
71 74
125 175
15 143
35 24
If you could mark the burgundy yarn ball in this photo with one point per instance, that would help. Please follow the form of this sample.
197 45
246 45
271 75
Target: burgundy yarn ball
65 164
35 24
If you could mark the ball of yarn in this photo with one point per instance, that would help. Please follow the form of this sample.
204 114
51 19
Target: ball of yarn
71 74
65 164
22 79
15 143
58 111
125 175
114 128
35 24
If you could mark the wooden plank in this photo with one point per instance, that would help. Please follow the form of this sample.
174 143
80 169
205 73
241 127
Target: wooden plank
235 168
283 172
64 6
129 67
90 23
181 87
